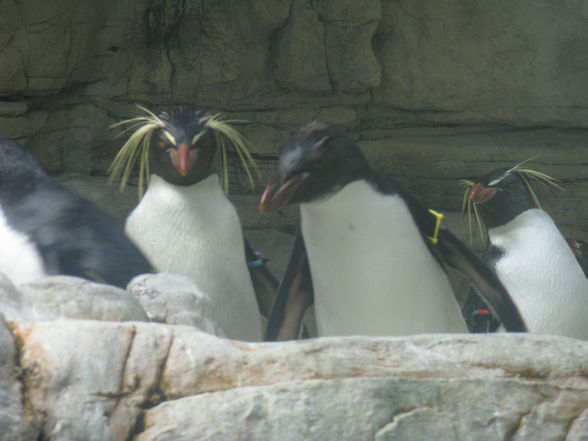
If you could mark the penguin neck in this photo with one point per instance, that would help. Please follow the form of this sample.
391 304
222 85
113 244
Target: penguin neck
209 189
530 220
349 199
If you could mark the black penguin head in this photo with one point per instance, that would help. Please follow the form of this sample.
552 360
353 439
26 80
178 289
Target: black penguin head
180 145
317 161
184 148
501 196
19 170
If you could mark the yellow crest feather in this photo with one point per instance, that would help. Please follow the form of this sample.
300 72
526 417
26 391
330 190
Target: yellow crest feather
527 175
136 148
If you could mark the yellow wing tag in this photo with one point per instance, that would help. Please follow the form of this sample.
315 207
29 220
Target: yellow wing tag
439 216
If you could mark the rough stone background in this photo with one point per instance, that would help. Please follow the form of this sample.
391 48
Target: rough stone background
435 90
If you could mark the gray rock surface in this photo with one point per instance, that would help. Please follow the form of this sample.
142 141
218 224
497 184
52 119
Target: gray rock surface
435 90
380 409
13 426
56 297
490 61
157 381
175 300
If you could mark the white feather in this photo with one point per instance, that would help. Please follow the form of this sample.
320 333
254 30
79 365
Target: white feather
20 260
195 231
542 275
371 270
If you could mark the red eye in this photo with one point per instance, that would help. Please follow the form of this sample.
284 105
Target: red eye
161 143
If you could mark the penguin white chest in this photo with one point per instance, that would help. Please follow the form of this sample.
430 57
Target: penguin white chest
371 270
20 260
195 231
542 275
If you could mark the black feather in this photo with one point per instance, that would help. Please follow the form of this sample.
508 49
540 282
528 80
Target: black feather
72 235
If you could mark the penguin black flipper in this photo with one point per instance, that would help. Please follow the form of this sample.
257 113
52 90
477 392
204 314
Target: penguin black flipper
475 311
456 254
295 294
450 250
265 284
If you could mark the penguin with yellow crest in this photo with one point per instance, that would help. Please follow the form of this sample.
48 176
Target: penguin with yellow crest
184 222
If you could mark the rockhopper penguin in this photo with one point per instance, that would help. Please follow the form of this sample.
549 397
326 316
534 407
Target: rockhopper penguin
184 222
529 254
47 230
374 252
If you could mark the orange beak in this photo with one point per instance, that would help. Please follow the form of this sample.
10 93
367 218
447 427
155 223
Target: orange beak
480 195
183 158
274 197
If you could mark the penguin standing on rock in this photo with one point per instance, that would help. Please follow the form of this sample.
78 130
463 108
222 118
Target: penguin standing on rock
375 254
47 230
529 254
184 222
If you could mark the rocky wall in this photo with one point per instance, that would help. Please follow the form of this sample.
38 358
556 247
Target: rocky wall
84 361
435 90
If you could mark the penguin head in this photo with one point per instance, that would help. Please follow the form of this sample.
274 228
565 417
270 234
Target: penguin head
180 144
184 148
316 162
501 196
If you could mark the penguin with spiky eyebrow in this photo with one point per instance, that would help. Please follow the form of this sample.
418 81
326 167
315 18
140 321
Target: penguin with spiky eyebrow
529 254
371 255
184 222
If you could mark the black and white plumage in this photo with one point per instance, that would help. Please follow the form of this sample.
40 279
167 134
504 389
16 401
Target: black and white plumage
47 230
529 254
373 268
184 223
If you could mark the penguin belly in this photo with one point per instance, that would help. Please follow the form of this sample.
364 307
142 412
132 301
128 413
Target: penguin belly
542 275
195 231
371 269
20 260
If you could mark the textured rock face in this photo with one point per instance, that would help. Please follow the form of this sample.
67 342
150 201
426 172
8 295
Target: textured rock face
491 61
159 382
107 378
56 297
174 299
438 85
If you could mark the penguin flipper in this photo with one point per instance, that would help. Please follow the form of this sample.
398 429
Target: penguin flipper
294 296
456 254
265 284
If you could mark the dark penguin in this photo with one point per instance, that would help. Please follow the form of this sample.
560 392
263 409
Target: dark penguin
375 254
47 230
184 223
529 255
